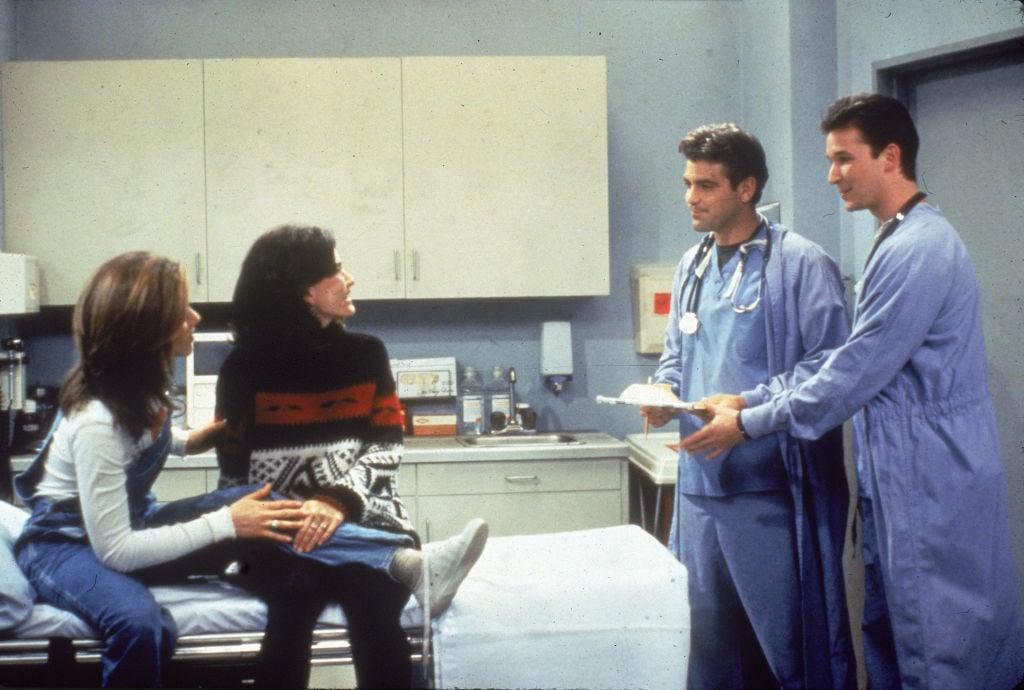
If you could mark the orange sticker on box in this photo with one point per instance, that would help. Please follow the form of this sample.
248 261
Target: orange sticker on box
662 303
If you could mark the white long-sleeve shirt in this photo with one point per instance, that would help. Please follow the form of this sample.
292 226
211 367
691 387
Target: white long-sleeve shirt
89 459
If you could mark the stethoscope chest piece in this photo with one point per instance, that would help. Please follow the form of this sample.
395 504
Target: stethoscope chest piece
689 323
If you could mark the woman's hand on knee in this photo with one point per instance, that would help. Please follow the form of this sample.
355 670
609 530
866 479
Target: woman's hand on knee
324 518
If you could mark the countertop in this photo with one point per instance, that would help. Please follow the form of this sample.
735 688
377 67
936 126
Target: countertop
657 456
431 449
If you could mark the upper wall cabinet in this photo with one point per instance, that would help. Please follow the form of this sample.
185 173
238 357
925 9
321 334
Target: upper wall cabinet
506 176
101 158
440 177
312 141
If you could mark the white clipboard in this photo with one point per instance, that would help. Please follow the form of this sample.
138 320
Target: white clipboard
649 395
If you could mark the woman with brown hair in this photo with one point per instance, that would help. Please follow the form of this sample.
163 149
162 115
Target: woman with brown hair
95 528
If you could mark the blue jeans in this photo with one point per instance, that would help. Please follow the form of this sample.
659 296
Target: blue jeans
140 635
350 544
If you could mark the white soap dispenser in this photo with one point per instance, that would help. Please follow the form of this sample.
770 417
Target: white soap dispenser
556 354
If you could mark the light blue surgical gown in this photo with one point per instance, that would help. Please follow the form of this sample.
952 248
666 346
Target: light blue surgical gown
801 317
928 461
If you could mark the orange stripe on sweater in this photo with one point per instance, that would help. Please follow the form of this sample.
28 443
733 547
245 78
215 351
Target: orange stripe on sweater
306 408
387 411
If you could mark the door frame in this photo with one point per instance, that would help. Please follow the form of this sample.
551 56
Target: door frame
892 76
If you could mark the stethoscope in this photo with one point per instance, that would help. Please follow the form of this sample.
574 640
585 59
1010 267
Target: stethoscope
688 322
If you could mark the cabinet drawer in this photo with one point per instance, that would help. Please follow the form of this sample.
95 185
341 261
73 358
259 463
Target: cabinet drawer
442 516
518 476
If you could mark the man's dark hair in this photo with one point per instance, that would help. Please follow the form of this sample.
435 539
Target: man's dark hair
881 121
738 151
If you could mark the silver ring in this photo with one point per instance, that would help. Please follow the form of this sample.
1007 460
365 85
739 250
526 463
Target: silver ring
274 524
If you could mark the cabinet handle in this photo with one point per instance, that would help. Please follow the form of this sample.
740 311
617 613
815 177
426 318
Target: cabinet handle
398 266
199 269
522 479
415 266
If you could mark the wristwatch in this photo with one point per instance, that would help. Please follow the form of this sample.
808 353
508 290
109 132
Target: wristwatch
739 425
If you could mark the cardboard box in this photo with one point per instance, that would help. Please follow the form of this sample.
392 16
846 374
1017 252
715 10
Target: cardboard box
433 425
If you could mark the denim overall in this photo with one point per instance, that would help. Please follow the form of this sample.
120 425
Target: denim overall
139 634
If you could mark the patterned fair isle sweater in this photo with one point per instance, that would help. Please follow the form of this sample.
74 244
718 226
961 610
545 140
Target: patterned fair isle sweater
325 422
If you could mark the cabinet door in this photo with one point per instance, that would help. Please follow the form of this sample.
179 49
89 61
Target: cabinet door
506 176
173 484
311 142
101 158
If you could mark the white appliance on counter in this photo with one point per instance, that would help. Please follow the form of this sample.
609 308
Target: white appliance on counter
427 387
430 377
209 350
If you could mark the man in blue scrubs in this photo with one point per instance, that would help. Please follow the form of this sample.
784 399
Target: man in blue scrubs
760 529
941 608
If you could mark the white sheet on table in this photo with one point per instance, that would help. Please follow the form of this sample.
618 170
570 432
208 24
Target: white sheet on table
213 607
603 608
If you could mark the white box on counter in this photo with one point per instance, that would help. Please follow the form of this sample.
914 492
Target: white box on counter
431 377
19 283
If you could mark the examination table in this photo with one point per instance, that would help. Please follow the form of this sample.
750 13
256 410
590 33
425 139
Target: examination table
601 608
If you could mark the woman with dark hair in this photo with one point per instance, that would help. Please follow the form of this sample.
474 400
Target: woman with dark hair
312 409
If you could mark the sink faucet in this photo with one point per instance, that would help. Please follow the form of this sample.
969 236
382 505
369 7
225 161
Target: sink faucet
514 426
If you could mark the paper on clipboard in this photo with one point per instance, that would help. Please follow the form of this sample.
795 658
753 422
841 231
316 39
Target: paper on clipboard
649 395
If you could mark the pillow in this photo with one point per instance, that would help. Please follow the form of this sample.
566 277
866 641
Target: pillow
13 518
16 594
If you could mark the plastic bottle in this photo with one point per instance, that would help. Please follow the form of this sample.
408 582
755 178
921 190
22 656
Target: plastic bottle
471 404
27 429
497 399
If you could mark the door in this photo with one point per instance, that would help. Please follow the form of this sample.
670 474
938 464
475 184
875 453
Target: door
970 115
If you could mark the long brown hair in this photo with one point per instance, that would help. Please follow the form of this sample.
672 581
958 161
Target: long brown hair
124 327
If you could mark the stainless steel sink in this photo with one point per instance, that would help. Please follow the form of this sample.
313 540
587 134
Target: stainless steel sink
514 440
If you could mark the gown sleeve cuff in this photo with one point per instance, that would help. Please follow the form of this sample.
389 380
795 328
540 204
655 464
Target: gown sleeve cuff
757 420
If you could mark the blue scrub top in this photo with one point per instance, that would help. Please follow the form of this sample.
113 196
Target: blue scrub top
727 353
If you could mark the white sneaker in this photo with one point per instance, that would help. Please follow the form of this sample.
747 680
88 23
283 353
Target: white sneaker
448 562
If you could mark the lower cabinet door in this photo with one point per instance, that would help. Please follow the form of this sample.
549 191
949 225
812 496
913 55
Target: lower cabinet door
172 484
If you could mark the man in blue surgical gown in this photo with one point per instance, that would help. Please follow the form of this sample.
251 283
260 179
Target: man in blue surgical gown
941 606
760 529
